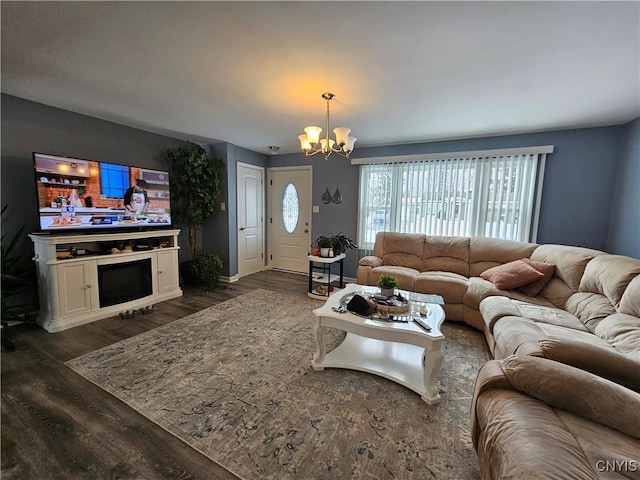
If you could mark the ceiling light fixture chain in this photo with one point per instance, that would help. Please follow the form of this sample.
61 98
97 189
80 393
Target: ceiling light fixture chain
311 143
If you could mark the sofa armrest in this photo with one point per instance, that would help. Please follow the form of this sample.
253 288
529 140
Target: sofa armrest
490 376
370 261
576 391
494 308
560 386
604 362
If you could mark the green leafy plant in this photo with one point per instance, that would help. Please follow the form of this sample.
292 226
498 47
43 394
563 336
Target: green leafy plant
324 241
195 186
341 243
387 281
206 267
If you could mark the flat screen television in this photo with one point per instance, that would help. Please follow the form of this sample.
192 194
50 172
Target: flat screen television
86 195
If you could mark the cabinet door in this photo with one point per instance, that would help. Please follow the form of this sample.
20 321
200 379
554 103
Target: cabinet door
167 270
75 285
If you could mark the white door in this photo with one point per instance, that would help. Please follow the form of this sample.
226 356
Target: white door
290 217
250 219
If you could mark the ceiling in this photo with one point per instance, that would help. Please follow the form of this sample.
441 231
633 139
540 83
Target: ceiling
252 73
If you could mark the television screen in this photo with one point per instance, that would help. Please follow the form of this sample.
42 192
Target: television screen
76 194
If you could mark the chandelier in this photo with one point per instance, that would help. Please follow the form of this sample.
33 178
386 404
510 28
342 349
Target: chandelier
311 143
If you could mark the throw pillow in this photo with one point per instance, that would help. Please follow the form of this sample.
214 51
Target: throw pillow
511 275
534 288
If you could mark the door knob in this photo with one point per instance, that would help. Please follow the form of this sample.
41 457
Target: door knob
306 230
243 228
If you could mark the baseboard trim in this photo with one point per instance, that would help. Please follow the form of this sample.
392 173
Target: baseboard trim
232 279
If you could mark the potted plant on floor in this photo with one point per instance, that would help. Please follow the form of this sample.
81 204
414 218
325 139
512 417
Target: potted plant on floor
325 243
206 267
341 243
387 284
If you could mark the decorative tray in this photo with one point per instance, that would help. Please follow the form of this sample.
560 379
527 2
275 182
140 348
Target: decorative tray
393 305
395 312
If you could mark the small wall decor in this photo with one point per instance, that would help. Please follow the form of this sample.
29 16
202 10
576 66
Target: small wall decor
337 197
326 197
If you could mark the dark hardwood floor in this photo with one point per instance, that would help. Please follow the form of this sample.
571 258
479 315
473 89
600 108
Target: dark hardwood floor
57 425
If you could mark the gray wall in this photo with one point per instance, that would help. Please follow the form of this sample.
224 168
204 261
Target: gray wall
29 127
624 230
220 232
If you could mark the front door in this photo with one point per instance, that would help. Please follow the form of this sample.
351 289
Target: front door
250 219
290 190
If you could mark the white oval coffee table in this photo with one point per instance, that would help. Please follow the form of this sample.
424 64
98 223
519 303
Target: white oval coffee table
400 351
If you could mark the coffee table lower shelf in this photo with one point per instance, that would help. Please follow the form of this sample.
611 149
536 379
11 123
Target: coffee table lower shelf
399 362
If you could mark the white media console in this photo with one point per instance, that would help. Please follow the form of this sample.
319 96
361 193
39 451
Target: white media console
73 288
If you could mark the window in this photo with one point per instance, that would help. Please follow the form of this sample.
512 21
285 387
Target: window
490 194
290 208
114 180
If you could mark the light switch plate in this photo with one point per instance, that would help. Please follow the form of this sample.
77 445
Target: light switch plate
316 209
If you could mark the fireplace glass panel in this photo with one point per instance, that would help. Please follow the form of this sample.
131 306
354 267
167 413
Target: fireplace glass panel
123 282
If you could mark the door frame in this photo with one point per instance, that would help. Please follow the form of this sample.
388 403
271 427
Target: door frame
262 193
270 170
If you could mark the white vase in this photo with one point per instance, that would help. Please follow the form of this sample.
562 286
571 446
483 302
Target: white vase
324 252
386 292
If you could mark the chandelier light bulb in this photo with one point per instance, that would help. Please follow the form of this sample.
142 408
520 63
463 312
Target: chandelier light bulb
304 142
341 134
348 148
323 145
313 134
311 143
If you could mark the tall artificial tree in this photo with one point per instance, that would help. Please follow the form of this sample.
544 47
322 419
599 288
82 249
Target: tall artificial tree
195 186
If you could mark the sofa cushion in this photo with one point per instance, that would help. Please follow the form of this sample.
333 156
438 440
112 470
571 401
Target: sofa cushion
534 288
590 308
451 286
630 301
494 308
604 447
485 253
512 275
570 263
622 332
406 276
446 254
609 275
400 249
479 289
517 335
370 261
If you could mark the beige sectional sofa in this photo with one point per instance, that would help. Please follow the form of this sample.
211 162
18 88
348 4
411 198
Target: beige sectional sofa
577 336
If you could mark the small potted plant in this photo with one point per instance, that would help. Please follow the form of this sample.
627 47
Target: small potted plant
324 242
341 242
387 284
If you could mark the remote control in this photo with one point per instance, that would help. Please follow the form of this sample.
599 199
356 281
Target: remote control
421 322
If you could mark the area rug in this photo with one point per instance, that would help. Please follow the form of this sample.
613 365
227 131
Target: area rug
234 381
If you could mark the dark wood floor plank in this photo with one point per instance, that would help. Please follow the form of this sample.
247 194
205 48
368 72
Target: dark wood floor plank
56 424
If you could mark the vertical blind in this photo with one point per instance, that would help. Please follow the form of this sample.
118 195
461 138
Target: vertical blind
492 194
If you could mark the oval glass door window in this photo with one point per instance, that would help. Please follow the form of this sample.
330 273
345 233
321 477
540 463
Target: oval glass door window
290 208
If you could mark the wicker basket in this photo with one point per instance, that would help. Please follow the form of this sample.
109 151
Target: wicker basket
389 309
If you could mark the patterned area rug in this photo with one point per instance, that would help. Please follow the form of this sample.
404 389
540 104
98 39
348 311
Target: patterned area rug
235 382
